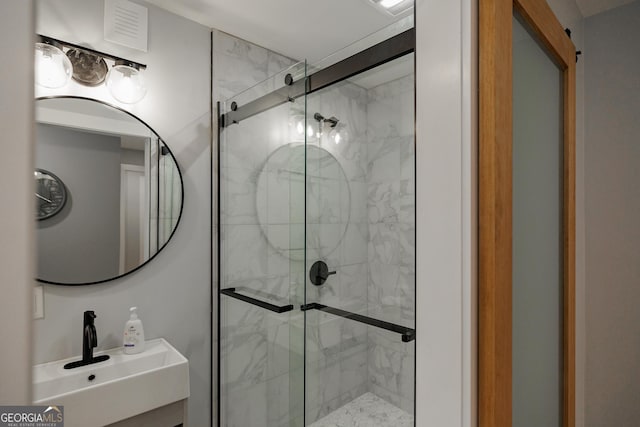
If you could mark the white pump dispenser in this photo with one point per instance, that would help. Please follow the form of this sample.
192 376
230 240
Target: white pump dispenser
133 340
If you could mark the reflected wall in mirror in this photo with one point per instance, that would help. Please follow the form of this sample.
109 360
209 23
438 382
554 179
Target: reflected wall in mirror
123 188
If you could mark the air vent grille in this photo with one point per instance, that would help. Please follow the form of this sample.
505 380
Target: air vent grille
125 23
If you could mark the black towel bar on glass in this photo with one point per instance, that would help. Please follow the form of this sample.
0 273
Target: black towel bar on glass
272 307
407 333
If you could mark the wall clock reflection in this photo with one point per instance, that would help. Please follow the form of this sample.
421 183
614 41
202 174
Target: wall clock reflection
50 193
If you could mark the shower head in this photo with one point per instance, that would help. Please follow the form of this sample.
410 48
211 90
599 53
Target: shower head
333 120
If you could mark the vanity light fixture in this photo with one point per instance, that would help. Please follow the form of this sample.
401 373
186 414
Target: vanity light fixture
88 67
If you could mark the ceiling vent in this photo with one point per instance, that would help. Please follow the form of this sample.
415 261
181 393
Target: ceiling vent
393 7
125 23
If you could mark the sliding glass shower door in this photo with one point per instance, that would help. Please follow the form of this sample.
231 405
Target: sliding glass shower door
317 245
262 255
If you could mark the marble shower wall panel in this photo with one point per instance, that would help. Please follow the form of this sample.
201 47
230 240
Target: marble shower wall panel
240 65
337 349
391 249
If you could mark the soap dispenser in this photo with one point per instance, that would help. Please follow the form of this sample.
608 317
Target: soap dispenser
133 340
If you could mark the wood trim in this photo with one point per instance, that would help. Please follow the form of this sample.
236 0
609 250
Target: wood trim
544 23
495 198
494 208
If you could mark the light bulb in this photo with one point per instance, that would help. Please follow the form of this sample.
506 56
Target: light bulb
309 131
126 84
52 67
300 128
337 138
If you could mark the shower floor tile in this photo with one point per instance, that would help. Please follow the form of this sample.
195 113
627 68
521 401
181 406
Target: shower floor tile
367 410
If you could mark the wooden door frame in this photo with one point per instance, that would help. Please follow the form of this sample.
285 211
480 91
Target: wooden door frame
495 203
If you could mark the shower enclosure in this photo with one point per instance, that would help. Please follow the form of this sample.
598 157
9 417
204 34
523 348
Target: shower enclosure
317 244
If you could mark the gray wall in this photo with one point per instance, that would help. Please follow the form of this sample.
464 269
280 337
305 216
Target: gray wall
16 187
613 208
172 292
132 157
82 242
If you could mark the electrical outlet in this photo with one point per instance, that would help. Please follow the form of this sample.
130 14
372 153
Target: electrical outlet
38 302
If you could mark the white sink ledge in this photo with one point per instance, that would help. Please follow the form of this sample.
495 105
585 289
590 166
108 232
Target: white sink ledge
124 386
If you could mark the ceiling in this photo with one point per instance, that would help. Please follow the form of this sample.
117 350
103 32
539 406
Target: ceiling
593 7
299 29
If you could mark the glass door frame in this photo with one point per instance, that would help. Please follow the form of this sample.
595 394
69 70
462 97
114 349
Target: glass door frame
495 203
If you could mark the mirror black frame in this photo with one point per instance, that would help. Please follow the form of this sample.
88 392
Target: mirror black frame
181 189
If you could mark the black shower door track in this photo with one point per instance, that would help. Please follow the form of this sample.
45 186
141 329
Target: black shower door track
372 57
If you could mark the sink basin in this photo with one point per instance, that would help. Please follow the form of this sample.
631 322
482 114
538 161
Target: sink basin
116 389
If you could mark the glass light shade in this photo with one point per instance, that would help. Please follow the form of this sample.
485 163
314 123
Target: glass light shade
53 68
126 84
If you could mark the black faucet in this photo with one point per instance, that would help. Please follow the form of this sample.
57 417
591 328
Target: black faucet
89 342
89 336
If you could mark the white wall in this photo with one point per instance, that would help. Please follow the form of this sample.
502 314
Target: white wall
16 181
172 292
446 34
612 209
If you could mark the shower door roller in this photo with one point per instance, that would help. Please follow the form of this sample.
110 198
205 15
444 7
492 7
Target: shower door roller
319 273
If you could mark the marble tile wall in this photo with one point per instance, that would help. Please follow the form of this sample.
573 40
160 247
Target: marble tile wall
391 248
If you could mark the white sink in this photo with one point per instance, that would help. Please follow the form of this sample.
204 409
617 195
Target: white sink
122 387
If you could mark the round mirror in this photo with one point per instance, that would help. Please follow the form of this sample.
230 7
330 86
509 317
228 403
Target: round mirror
280 201
108 192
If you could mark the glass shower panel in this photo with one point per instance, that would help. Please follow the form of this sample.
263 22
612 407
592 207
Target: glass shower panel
262 250
360 269
537 233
